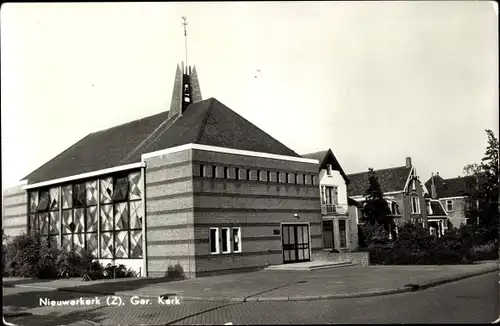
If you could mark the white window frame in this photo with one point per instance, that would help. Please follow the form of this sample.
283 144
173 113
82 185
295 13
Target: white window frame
452 205
329 169
228 240
234 238
415 209
217 244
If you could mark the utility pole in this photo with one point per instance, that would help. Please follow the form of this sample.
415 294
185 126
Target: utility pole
184 23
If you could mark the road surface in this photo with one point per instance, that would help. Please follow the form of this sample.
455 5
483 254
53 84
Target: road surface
473 300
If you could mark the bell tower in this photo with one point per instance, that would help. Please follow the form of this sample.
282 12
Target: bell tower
186 85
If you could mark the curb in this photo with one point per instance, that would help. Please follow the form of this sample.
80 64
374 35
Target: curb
17 314
447 280
406 288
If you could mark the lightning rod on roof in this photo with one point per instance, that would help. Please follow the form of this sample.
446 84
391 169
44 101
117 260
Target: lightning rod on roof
184 23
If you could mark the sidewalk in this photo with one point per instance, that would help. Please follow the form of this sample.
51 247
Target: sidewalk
273 285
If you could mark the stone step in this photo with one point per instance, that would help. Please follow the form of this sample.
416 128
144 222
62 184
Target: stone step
309 266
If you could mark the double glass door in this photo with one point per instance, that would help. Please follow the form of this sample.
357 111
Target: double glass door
295 243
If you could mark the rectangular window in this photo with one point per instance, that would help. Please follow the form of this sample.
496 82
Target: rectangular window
225 241
214 171
329 169
415 205
413 183
214 240
248 174
449 205
237 173
296 178
236 239
259 175
202 170
226 172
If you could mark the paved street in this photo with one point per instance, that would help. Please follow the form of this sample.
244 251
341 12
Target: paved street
473 300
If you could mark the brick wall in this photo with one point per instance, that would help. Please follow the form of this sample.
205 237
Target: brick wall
258 207
14 217
169 214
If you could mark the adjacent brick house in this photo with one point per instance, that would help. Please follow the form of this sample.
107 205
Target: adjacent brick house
197 185
402 189
452 193
340 229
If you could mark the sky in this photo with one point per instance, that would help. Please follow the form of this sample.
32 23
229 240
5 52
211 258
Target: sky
374 81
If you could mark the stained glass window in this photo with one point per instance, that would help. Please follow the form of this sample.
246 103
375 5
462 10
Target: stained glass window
134 180
43 201
79 195
72 212
67 196
54 199
54 223
91 219
106 193
91 192
33 201
44 223
120 188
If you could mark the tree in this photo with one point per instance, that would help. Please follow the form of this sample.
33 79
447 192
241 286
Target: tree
482 203
376 211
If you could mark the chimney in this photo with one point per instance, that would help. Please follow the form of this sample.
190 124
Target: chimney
433 187
408 162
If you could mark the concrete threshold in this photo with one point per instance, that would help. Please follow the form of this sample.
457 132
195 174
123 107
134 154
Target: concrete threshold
309 266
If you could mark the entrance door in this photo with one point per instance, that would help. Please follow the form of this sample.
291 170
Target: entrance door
295 243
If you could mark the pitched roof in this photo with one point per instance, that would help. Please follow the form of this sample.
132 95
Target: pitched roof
323 156
391 179
437 209
453 187
208 122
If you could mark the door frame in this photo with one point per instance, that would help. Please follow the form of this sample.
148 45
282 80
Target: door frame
309 238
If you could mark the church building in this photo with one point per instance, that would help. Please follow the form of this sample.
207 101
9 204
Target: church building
198 185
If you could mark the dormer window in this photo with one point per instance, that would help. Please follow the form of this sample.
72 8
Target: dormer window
328 169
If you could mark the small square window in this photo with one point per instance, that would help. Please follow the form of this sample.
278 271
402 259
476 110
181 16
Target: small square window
449 205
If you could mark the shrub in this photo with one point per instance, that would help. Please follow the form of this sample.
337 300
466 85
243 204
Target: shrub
486 252
47 267
21 256
112 270
175 272
68 264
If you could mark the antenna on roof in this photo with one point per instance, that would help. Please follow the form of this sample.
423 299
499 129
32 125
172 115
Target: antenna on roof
184 23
